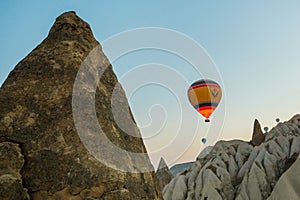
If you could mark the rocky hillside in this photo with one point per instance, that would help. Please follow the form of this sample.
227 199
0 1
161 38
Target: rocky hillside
42 155
264 168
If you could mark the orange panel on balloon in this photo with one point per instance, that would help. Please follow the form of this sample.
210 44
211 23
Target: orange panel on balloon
206 111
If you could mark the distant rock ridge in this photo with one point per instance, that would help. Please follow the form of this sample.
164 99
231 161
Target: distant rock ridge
37 129
181 167
240 170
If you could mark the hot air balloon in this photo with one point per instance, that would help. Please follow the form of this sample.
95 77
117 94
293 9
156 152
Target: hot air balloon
266 129
203 140
205 96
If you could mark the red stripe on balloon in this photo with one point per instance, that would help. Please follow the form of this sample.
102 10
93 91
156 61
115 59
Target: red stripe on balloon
204 85
206 108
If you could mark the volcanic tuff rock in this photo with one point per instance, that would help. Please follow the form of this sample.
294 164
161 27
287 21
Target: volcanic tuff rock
204 152
288 186
257 136
11 163
163 174
37 124
238 170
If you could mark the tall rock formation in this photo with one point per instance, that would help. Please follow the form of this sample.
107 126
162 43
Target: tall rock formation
163 175
37 122
238 170
257 136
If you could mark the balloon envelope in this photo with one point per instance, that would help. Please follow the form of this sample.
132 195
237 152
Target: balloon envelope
205 96
203 140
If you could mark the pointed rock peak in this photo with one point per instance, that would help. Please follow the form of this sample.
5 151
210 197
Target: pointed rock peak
162 164
37 111
257 128
68 24
69 41
257 137
163 175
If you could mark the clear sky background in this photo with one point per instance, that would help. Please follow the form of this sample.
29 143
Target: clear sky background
255 46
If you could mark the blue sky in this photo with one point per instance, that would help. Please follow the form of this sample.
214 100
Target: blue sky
255 46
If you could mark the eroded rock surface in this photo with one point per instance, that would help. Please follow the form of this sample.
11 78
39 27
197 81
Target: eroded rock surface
257 136
36 114
163 175
288 185
11 164
238 170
